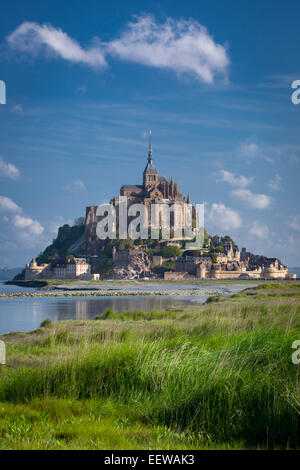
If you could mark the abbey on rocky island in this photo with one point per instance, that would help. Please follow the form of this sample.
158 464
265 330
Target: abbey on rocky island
88 257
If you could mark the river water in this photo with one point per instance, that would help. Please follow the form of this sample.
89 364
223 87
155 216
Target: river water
25 314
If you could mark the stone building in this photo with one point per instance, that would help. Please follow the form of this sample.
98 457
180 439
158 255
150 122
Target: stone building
77 268
35 271
190 264
154 189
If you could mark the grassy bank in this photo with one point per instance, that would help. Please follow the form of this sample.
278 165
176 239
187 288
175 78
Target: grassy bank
52 283
213 376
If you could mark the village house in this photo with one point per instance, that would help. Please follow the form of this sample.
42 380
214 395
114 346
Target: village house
77 268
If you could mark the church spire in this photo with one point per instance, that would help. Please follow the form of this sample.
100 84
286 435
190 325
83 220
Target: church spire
150 147
150 175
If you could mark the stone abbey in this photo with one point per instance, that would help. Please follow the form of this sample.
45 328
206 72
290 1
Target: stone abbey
153 187
153 190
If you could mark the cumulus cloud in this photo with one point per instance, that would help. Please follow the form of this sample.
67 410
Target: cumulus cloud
241 192
8 205
249 149
259 230
76 185
237 181
28 225
255 201
183 46
33 38
9 170
295 224
275 183
223 217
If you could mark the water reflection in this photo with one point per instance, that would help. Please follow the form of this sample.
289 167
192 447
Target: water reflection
27 313
23 314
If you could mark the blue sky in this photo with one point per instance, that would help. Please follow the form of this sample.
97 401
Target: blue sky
212 79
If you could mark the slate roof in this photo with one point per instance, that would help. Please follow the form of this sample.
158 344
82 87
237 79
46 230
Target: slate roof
131 186
150 168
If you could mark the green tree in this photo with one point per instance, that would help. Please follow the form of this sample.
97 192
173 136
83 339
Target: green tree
170 251
213 257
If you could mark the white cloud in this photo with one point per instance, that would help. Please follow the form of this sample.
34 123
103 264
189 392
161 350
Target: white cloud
28 225
27 228
9 170
275 183
183 46
223 217
255 201
76 185
295 224
237 181
8 205
249 149
32 37
259 230
241 192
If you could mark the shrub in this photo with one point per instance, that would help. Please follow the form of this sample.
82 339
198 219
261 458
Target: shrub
109 313
213 298
170 251
46 323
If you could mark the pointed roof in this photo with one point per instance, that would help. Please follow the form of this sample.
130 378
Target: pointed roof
150 168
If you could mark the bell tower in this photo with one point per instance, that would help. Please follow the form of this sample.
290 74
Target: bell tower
150 175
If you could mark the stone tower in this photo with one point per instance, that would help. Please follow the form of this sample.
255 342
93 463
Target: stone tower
150 175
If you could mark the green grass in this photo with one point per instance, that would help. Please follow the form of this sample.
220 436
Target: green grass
215 376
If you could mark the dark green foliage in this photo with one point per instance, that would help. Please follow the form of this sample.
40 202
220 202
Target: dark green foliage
46 323
109 313
58 250
213 298
170 251
167 266
150 252
213 257
105 265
